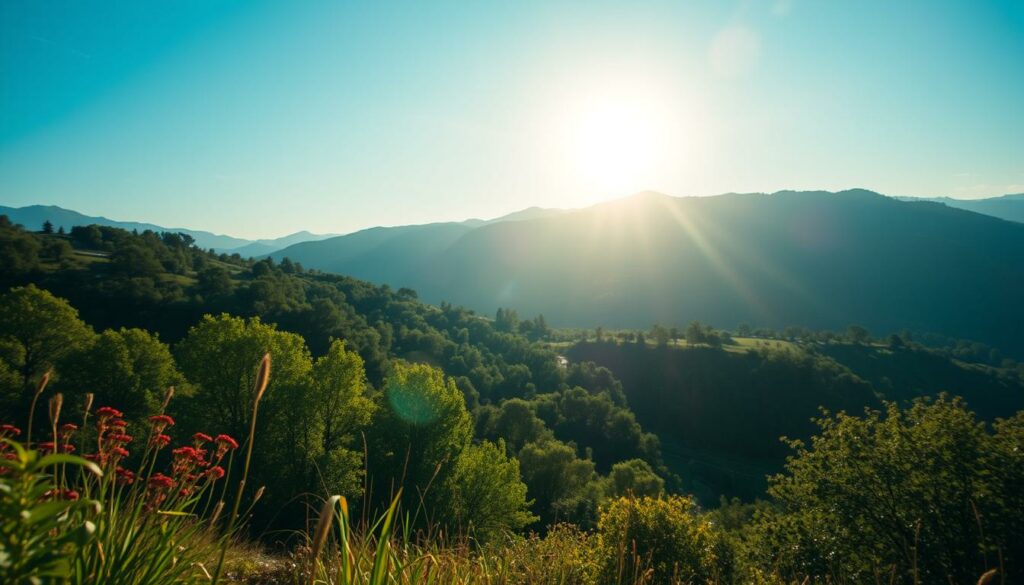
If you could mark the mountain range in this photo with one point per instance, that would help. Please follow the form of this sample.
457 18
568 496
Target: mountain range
816 259
33 216
1009 207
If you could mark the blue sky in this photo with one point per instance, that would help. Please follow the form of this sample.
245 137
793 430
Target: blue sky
262 118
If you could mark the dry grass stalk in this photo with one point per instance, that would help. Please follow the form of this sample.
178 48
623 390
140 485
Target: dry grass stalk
32 410
323 528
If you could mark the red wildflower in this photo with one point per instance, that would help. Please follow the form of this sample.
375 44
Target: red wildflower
57 493
201 438
108 412
124 476
120 438
11 430
67 448
185 453
161 421
47 446
119 451
119 423
161 481
184 492
226 440
161 441
216 472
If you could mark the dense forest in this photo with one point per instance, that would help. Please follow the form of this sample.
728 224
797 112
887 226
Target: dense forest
496 427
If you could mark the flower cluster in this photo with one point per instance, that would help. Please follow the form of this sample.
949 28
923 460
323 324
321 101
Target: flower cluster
192 467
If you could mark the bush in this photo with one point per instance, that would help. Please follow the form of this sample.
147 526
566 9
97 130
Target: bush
659 540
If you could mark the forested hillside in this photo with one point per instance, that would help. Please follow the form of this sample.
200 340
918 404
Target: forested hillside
146 296
476 428
815 259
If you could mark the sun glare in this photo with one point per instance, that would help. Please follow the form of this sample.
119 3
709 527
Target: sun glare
621 144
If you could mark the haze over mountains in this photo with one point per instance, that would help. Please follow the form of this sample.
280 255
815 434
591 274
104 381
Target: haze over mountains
33 216
816 259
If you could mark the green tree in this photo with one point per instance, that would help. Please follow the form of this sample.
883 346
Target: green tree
695 333
515 424
506 320
418 431
907 490
557 480
487 496
214 282
857 334
343 410
19 250
129 369
634 477
661 335
47 227
220 356
43 328
665 536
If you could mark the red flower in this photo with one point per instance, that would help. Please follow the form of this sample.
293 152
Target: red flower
119 423
161 421
120 438
224 442
201 438
108 412
228 441
161 441
47 446
186 453
125 477
9 430
161 481
67 448
57 493
184 492
215 472
68 427
119 451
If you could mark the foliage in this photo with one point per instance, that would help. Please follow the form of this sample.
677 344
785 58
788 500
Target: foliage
128 367
486 497
663 535
42 329
42 527
920 494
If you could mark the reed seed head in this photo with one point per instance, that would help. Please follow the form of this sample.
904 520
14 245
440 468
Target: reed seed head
55 405
263 377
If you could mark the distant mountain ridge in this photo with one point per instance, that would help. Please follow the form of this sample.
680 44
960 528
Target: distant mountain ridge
817 259
1008 207
33 216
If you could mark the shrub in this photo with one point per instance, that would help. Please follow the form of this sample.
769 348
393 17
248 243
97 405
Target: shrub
658 540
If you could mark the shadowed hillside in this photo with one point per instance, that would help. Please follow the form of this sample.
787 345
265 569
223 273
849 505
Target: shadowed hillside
817 259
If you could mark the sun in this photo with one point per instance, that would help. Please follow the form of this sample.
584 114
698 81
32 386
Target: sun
618 144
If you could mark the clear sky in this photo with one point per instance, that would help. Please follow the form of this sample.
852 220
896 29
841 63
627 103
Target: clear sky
263 118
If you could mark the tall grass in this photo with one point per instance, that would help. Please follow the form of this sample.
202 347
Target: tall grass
95 519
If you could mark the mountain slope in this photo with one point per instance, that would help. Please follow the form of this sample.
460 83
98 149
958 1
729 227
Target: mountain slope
33 216
818 259
1009 207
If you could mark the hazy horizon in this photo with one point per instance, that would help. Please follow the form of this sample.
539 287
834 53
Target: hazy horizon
454 220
